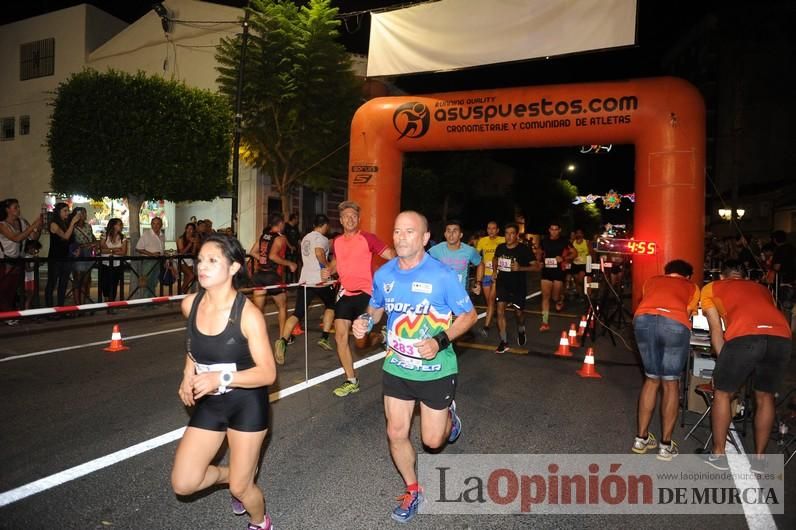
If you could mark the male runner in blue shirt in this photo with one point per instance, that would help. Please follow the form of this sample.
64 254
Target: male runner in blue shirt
420 296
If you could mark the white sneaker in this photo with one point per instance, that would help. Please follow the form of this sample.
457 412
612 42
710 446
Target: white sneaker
667 452
641 445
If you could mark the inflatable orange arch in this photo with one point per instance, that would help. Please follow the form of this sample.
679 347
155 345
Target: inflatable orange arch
663 117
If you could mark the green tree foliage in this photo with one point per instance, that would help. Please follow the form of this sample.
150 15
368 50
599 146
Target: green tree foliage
447 180
299 93
551 200
141 137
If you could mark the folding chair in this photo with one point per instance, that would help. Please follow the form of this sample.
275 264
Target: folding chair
707 392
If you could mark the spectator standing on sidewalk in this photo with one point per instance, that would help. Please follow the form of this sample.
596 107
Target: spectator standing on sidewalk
82 245
112 243
783 263
58 265
188 244
14 230
151 244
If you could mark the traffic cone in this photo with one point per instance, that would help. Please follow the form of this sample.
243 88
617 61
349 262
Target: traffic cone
574 339
116 341
563 346
582 326
297 330
588 370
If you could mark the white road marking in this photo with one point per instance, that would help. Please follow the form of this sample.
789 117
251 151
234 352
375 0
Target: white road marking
99 343
32 488
758 516
82 470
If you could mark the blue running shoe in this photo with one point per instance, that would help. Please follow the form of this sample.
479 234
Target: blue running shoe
237 506
456 423
410 502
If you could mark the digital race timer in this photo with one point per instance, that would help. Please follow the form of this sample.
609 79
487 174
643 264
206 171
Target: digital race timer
626 246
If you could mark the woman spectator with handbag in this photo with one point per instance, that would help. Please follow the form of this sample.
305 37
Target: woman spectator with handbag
187 244
83 245
14 230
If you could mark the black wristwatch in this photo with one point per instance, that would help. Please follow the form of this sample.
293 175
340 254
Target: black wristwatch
442 340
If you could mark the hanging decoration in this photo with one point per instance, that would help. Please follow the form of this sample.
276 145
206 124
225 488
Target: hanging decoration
611 200
596 149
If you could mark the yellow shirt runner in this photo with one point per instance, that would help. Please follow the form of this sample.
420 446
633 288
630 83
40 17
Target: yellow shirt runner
487 246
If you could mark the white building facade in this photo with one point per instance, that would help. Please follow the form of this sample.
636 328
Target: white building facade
38 53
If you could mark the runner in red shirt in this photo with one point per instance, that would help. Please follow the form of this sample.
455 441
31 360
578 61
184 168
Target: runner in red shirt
353 262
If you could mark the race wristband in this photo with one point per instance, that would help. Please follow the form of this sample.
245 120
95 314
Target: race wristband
442 340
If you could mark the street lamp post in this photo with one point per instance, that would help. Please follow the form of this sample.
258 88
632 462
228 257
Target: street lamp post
238 125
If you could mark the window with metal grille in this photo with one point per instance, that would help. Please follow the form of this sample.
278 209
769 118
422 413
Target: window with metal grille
37 59
6 128
24 125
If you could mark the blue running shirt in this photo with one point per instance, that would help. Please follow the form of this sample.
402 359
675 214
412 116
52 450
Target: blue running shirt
459 260
419 302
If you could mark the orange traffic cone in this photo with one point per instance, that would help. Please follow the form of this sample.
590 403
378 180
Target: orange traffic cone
563 346
116 341
574 339
588 369
582 326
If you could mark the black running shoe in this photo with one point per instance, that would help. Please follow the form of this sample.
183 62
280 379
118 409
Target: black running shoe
503 347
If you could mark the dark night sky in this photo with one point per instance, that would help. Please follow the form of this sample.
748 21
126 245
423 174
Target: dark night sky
660 25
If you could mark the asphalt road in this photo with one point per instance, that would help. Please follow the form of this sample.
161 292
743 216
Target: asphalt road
326 464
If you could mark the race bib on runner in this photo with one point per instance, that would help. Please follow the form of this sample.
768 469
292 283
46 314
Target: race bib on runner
504 264
218 367
550 263
405 349
566 266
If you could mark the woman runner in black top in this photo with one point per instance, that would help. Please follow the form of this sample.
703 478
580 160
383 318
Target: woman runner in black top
227 369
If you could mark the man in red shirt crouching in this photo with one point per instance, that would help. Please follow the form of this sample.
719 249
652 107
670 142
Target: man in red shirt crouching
756 339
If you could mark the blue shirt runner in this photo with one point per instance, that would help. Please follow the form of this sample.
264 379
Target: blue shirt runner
419 302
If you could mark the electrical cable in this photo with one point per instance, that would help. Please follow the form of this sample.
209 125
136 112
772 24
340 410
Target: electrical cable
597 318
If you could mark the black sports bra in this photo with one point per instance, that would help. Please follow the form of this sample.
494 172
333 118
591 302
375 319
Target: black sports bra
229 346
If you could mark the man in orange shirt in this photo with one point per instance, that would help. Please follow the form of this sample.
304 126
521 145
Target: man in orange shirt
756 339
353 262
663 332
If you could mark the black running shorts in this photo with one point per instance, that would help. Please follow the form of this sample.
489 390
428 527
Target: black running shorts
509 296
326 294
436 394
554 275
264 278
242 409
349 307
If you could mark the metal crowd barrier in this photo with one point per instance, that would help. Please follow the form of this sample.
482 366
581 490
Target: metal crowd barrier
132 282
